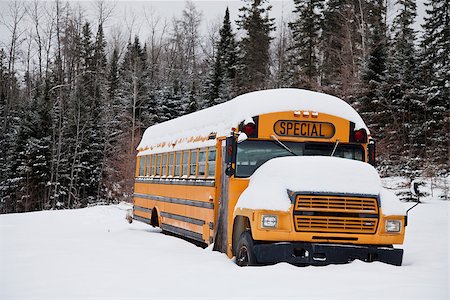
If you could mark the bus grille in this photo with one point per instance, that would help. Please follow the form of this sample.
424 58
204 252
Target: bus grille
335 214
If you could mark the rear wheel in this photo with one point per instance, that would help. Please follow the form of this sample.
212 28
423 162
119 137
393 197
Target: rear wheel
244 252
154 221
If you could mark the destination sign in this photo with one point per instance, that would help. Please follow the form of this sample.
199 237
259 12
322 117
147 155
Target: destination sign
304 129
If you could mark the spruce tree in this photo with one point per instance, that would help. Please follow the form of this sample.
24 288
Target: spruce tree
435 78
113 77
303 54
333 39
254 57
372 101
378 43
39 152
3 133
404 57
401 95
130 97
98 116
221 80
20 171
87 97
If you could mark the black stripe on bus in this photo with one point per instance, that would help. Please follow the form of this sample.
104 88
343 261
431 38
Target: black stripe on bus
141 219
184 232
195 203
192 182
183 218
143 209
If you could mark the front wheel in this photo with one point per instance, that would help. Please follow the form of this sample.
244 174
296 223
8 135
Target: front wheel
244 254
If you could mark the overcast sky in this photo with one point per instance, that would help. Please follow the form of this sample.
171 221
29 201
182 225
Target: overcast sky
212 10
134 14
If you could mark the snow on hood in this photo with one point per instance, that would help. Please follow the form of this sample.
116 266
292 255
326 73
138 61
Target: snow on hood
269 184
221 118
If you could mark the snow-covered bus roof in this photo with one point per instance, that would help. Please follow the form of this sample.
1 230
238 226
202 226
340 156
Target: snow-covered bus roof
194 128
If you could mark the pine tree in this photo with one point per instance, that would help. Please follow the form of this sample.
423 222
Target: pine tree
86 98
303 54
192 102
221 80
113 77
254 60
130 98
404 53
3 133
401 95
435 65
376 66
333 39
39 152
98 116
371 104
9 178
19 169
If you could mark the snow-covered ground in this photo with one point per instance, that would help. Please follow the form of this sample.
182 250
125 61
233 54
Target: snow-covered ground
93 253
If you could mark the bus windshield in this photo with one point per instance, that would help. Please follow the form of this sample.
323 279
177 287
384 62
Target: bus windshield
252 154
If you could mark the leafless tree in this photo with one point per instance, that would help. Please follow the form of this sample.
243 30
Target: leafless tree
12 20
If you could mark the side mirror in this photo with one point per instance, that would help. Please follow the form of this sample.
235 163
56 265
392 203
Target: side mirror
371 152
416 188
230 155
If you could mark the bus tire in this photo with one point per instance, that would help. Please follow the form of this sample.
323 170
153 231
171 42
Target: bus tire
154 221
244 251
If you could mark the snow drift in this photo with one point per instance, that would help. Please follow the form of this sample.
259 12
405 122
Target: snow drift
93 253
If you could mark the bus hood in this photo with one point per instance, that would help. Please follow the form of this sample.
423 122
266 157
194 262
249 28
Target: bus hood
269 185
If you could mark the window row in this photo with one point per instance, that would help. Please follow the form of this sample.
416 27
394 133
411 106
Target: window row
195 163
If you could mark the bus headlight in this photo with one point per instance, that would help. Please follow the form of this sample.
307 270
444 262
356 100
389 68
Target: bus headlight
393 225
269 221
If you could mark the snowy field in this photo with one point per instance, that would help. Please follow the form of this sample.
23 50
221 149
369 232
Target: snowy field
94 253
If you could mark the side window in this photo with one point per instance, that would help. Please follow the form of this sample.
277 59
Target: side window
158 165
211 162
177 163
141 165
153 164
185 163
147 169
164 165
193 164
170 164
202 163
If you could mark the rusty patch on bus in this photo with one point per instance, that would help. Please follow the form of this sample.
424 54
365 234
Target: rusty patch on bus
308 129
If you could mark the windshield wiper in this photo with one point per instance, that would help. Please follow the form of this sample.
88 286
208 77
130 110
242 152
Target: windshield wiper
283 145
335 146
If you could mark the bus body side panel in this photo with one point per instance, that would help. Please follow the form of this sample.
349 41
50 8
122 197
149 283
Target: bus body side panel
180 206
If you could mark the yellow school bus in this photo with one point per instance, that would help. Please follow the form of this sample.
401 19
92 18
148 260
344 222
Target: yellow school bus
282 175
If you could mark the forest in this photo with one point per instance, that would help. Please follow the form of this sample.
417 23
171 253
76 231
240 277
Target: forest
75 98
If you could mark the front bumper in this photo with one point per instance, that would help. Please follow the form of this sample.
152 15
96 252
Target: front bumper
324 254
